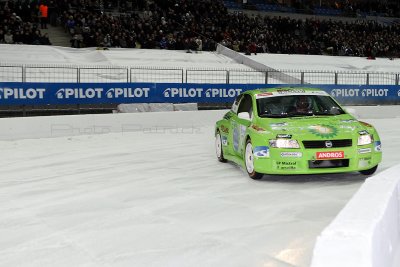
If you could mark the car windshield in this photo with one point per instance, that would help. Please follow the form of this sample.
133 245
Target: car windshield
297 105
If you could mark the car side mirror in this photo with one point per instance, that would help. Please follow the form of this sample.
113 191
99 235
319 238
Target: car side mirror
244 116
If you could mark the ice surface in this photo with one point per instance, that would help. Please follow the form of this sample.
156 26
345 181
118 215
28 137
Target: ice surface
162 199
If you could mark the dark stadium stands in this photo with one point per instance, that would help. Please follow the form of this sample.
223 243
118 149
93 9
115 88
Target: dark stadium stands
199 25
360 8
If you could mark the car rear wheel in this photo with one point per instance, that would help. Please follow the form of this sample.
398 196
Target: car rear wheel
249 162
218 148
369 171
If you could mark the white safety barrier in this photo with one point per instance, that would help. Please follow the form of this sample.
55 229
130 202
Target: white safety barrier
245 60
145 107
241 59
155 107
56 126
366 233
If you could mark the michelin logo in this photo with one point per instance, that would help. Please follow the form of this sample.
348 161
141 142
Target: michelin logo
345 92
358 92
127 92
200 92
21 93
223 92
374 92
79 93
182 92
97 93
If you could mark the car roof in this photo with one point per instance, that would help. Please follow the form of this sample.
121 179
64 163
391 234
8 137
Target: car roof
260 92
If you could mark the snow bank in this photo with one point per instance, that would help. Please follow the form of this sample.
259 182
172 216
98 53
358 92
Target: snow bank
55 126
44 127
113 57
366 233
156 107
145 107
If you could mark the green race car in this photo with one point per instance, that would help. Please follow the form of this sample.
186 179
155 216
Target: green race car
295 131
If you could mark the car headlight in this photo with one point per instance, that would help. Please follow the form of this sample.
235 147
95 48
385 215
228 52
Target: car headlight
365 139
284 143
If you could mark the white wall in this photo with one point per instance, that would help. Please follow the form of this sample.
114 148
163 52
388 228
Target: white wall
245 60
366 233
54 126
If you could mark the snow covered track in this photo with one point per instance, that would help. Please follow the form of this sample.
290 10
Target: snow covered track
152 193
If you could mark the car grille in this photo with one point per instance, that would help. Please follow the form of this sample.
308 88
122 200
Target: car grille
333 163
322 144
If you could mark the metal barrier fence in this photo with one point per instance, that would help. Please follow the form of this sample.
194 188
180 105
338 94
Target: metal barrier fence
111 74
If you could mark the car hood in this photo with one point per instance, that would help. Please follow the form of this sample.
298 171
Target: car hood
314 128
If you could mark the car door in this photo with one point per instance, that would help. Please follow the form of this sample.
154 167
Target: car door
230 117
239 124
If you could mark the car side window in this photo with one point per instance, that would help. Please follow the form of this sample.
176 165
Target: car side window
246 105
236 103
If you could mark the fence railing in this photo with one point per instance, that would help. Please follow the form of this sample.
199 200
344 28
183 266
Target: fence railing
111 74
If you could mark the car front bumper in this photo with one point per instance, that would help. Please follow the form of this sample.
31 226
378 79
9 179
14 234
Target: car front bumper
316 161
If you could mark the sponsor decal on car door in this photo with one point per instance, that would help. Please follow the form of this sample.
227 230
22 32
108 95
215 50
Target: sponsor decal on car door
238 136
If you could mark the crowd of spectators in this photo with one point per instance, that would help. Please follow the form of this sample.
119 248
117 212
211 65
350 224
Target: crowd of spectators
159 25
20 24
350 8
195 26
199 25
313 36
359 8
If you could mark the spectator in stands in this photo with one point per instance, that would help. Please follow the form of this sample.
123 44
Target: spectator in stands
187 45
9 37
131 43
171 43
251 48
76 41
199 43
52 13
36 37
44 39
27 38
107 41
70 25
1 36
43 14
163 43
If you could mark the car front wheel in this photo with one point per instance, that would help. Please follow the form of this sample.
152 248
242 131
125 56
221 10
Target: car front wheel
369 171
249 162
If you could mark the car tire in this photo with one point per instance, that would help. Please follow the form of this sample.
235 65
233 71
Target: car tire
249 162
369 171
218 148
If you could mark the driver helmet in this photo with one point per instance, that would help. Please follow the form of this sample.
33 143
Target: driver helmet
303 103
